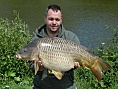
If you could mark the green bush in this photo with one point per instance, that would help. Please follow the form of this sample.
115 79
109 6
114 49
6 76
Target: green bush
13 35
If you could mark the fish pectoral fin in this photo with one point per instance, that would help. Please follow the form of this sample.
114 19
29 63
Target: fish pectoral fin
36 67
58 74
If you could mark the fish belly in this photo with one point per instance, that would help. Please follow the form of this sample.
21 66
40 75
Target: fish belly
57 61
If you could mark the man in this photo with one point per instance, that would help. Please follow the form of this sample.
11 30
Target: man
53 27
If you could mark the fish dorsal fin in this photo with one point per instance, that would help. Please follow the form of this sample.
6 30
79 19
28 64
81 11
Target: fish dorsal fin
36 67
58 74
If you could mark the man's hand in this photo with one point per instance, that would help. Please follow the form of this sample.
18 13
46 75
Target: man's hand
41 67
76 64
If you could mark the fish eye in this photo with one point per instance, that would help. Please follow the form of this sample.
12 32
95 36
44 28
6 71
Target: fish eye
24 50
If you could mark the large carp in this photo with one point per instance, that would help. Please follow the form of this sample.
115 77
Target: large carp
59 56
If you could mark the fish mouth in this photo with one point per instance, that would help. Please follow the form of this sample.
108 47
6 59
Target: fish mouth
18 56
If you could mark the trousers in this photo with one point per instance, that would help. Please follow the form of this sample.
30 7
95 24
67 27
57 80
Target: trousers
51 82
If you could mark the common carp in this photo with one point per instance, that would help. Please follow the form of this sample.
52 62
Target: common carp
59 56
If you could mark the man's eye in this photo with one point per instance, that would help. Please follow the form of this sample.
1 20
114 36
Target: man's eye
57 19
51 19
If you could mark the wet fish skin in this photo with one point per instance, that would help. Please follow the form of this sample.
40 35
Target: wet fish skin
59 55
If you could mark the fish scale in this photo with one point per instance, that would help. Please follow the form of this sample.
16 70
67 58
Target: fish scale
59 60
56 56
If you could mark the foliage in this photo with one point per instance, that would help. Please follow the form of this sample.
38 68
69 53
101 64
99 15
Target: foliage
24 84
13 36
109 53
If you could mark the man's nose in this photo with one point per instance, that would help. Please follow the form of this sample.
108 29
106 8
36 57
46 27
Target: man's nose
54 21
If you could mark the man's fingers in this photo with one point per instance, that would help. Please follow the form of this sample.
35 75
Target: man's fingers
76 64
41 67
39 63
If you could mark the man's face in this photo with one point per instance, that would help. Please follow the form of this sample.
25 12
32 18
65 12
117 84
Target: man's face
53 20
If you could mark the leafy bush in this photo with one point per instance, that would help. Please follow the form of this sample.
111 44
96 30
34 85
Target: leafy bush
109 53
13 35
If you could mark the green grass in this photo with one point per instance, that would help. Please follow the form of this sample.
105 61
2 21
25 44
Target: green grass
13 85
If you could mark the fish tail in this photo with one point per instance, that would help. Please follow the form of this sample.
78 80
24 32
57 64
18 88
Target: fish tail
103 64
97 72
98 66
